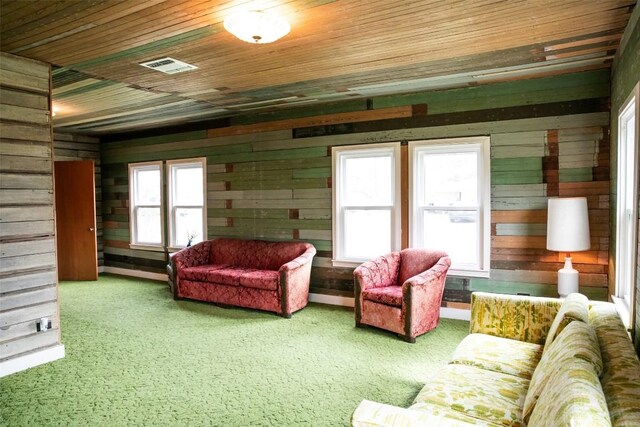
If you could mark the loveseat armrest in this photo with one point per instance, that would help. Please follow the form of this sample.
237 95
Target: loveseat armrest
373 414
198 254
295 276
522 318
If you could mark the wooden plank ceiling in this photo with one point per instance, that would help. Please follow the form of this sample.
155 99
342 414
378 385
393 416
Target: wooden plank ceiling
336 50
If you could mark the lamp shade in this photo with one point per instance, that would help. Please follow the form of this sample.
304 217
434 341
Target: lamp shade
256 26
568 225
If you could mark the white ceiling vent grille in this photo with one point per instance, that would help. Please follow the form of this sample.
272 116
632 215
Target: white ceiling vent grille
168 65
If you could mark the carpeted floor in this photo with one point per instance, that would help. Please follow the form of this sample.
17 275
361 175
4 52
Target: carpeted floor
134 356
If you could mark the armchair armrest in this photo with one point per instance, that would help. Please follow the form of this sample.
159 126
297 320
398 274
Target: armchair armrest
294 281
373 414
422 295
521 318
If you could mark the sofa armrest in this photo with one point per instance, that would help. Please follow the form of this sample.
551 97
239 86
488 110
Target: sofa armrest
294 281
373 414
522 318
198 254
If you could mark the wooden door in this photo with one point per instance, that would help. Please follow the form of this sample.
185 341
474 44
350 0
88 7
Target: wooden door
76 220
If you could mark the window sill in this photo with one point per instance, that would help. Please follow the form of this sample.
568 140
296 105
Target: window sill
452 272
146 247
623 311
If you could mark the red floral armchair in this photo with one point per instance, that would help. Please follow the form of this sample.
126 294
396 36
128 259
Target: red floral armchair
401 291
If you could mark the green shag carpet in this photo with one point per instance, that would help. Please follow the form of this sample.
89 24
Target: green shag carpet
134 357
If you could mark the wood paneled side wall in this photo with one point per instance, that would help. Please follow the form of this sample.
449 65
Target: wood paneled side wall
625 76
28 281
79 147
549 137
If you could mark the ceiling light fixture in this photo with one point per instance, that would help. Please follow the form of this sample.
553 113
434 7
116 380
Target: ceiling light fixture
257 26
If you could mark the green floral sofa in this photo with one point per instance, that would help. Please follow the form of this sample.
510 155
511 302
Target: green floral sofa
528 361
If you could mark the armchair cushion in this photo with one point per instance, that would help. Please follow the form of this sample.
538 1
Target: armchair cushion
390 295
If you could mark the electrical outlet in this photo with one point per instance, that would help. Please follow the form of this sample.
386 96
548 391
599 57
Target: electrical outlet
43 325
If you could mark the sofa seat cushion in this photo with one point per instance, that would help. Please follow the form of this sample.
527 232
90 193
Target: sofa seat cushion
233 276
478 393
389 295
200 273
498 355
260 279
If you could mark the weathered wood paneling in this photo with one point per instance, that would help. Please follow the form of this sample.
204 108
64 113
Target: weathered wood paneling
277 185
78 147
28 283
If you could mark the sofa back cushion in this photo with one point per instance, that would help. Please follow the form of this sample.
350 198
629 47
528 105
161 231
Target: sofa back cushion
257 254
574 307
415 261
576 341
572 397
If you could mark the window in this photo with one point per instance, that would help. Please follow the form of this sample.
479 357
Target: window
186 201
145 204
449 201
627 196
366 202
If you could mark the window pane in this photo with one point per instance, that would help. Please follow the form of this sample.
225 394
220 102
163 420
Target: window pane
187 183
368 181
147 191
148 228
367 233
450 179
188 224
455 232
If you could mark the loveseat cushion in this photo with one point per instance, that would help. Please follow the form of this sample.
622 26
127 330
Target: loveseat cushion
478 393
389 295
577 340
572 397
200 273
233 276
260 279
574 307
257 254
498 354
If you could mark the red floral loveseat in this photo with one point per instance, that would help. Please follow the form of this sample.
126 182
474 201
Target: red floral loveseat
270 276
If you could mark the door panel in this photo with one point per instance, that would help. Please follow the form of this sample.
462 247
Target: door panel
76 220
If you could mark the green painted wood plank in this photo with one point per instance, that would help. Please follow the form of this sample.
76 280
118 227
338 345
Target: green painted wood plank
518 190
576 175
152 155
312 173
521 229
524 177
248 213
516 164
152 140
286 223
279 184
518 203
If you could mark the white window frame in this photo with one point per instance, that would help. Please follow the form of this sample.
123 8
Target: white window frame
133 244
480 145
343 152
627 216
171 165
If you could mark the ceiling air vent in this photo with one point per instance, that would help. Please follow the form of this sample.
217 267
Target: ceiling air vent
168 65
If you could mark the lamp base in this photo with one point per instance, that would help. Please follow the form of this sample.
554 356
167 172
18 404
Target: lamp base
567 279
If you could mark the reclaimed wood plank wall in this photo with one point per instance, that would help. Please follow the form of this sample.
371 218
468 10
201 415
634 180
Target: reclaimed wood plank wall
549 137
625 76
68 147
28 280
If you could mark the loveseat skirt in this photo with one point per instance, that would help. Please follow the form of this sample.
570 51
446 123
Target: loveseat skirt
239 296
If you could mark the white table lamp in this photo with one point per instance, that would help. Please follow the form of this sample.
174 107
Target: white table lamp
568 231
